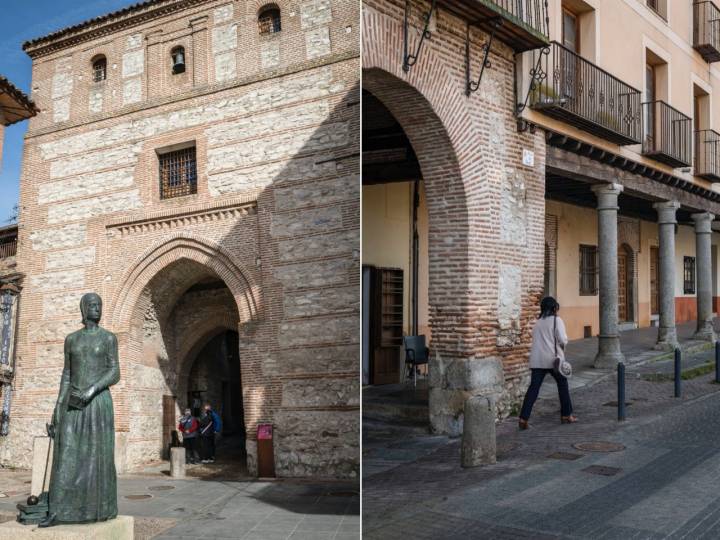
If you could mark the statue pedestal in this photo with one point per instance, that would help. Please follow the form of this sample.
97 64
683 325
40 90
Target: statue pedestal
120 528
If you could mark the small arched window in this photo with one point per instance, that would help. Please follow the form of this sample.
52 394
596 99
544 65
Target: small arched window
178 60
99 68
269 19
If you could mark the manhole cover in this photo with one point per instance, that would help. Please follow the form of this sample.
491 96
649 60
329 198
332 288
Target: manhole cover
160 488
599 446
602 470
565 455
343 493
138 497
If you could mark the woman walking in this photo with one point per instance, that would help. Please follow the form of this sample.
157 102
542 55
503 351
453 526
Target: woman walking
549 340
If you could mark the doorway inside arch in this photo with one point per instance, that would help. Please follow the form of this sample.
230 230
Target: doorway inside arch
215 378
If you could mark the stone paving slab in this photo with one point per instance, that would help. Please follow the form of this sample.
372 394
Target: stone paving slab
197 509
672 446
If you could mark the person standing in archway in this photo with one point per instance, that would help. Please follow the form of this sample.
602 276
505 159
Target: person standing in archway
548 343
208 426
188 426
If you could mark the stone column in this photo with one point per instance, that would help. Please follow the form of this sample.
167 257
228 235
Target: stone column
703 271
667 334
609 353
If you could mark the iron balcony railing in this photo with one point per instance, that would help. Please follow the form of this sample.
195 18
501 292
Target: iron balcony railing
8 249
568 87
667 134
524 22
706 30
707 155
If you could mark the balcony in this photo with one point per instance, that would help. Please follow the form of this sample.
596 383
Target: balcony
569 88
707 155
8 248
667 134
706 30
525 22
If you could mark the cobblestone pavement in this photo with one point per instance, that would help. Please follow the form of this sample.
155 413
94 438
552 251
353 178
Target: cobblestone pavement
166 508
662 484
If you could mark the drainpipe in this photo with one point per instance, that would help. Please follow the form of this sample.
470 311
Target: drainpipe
415 257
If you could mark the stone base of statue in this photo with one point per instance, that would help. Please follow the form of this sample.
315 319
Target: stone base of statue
120 528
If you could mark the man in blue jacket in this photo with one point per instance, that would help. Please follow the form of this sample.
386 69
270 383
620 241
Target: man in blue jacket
210 424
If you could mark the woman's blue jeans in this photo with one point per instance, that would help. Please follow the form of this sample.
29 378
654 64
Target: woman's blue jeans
536 380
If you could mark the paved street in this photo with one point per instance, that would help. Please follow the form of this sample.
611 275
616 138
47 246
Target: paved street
662 483
198 508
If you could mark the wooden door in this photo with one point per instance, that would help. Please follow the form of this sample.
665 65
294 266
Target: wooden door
654 281
168 422
622 285
387 293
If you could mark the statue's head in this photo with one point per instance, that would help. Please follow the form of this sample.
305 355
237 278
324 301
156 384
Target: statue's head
91 308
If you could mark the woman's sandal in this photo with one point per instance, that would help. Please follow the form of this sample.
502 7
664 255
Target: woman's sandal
523 424
568 419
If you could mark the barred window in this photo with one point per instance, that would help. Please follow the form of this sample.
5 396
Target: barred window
588 270
178 173
689 275
269 19
99 67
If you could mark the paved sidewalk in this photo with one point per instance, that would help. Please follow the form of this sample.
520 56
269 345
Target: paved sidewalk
196 508
663 483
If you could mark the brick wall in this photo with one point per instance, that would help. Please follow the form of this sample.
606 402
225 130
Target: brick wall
275 218
486 210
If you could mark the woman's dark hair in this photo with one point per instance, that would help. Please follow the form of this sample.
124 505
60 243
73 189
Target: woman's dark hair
548 306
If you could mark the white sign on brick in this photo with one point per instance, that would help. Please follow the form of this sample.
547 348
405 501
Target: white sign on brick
223 13
224 38
315 13
225 66
132 91
317 42
270 54
133 63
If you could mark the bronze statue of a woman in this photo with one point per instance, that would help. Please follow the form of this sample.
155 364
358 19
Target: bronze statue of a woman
83 485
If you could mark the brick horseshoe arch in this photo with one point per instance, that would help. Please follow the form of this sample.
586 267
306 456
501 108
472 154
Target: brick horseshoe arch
173 249
436 122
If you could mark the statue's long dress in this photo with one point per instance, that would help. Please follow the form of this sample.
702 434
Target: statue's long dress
83 486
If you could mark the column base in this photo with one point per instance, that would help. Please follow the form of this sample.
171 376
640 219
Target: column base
705 332
609 354
667 339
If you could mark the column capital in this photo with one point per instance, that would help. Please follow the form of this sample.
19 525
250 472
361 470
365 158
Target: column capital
703 222
667 211
607 195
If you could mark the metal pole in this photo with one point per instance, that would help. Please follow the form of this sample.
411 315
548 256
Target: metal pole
678 373
621 391
717 361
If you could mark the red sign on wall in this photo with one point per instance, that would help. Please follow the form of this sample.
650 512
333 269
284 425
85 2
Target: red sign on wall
265 432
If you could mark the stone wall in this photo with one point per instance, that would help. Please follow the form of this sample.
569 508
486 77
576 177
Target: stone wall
485 208
275 218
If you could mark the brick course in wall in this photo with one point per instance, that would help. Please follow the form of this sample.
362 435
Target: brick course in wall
275 217
486 209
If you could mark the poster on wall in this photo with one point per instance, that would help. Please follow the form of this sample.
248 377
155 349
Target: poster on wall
7 328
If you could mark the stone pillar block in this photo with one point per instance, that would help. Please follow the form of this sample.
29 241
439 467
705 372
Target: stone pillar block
609 353
42 460
667 221
703 270
478 440
120 528
177 462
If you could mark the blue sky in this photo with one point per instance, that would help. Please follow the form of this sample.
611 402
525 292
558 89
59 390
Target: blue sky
23 21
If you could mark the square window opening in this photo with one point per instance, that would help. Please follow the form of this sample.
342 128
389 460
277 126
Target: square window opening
178 173
689 275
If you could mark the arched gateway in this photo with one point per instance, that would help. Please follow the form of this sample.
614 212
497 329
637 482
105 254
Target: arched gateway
176 300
